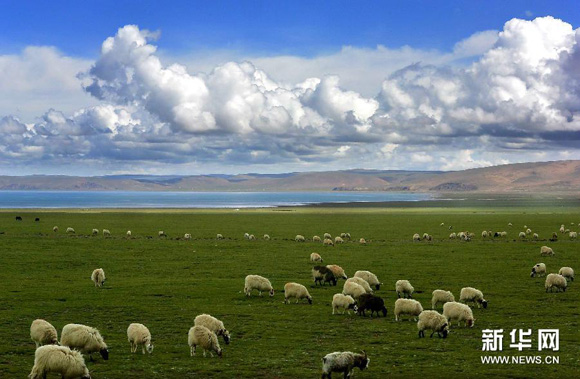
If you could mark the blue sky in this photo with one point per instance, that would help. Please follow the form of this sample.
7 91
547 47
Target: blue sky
186 87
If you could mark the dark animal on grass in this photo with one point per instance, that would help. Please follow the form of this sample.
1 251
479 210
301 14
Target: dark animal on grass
322 275
372 303
18 218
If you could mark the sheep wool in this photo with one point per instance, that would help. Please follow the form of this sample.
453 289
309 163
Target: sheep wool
214 325
338 240
84 338
98 277
328 242
363 283
539 269
266 237
353 289
258 283
139 334
327 235
316 239
315 257
416 237
106 232
202 336
546 251
219 237
299 238
70 230
345 302
128 233
460 312
187 236
452 236
337 271
344 362
370 278
297 291
404 288
362 241
434 321
43 333
556 281
55 228
407 307
522 235
58 359
95 232
441 297
472 295
567 272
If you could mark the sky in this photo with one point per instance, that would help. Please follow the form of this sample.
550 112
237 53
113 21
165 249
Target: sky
198 87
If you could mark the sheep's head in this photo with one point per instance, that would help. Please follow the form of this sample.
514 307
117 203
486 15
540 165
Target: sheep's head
533 272
470 323
150 348
309 299
272 292
104 353
378 286
362 360
484 303
226 336
444 330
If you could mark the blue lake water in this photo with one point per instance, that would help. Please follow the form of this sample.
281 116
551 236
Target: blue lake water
129 199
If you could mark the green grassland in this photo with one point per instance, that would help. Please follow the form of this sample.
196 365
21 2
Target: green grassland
165 282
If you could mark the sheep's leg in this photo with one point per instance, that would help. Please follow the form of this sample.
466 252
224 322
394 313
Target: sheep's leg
431 336
421 334
260 292
204 353
37 344
193 350
143 348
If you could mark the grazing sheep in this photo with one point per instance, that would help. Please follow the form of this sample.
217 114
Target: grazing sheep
18 218
566 231
556 281
353 289
161 233
187 236
535 236
484 234
258 283
55 228
562 229
503 234
296 290
106 233
425 236
84 338
315 257
346 302
219 237
58 359
573 235
95 232
328 242
372 303
522 235
327 235
452 236
545 251
70 230
416 237
202 336
441 296
338 240
460 312
461 235
370 278
247 236
472 295
361 282
139 334
345 362
510 224
362 241
43 333
345 236
214 325
299 238
129 234
434 321
337 271
98 277
528 231
442 224
316 239
554 237
408 307
266 237
252 237
539 269
322 274
428 237
567 272
404 288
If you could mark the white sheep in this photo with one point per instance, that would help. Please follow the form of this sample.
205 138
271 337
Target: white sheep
266 237
84 338
315 257
452 236
95 232
259 283
539 269
128 234
338 240
562 228
416 237
202 336
346 302
434 321
567 272
361 282
522 235
535 236
316 239
370 278
441 297
139 334
55 228
327 235
556 281
503 234
297 291
187 236
345 362
43 333
573 235
98 277
408 307
484 234
460 312
328 242
299 238
247 236
58 359
362 241
106 232
510 224
70 230
546 251
528 231
219 237
404 288
472 295
214 325
252 237
337 271
353 289
161 233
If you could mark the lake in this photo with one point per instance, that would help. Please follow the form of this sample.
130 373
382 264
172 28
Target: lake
131 199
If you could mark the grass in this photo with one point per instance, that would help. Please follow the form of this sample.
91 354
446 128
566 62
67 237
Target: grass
165 283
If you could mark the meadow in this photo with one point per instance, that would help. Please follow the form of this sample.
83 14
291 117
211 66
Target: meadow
165 282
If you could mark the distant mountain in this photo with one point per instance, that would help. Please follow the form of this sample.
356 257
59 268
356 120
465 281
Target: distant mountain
559 176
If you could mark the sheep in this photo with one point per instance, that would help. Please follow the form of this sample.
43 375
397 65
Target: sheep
338 240
84 338
337 271
247 236
187 236
322 274
98 277
441 296
556 281
18 218
371 302
539 269
362 241
55 228
299 238
452 236
404 288
461 235
428 237
503 234
202 336
139 334
510 224
522 235
573 235
346 302
327 235
425 236
252 237
535 236
219 237
416 237
361 282
371 278
528 231
460 312
345 236
432 320
214 325
43 333
106 233
345 362
567 272
562 229
407 307
296 290
95 232
566 231
442 224
484 234
328 242
316 239
70 230
472 295
259 283
161 233
554 237
58 359
315 257
266 237
353 289
545 251
128 234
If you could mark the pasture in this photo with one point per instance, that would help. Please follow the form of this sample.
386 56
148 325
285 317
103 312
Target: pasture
165 282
